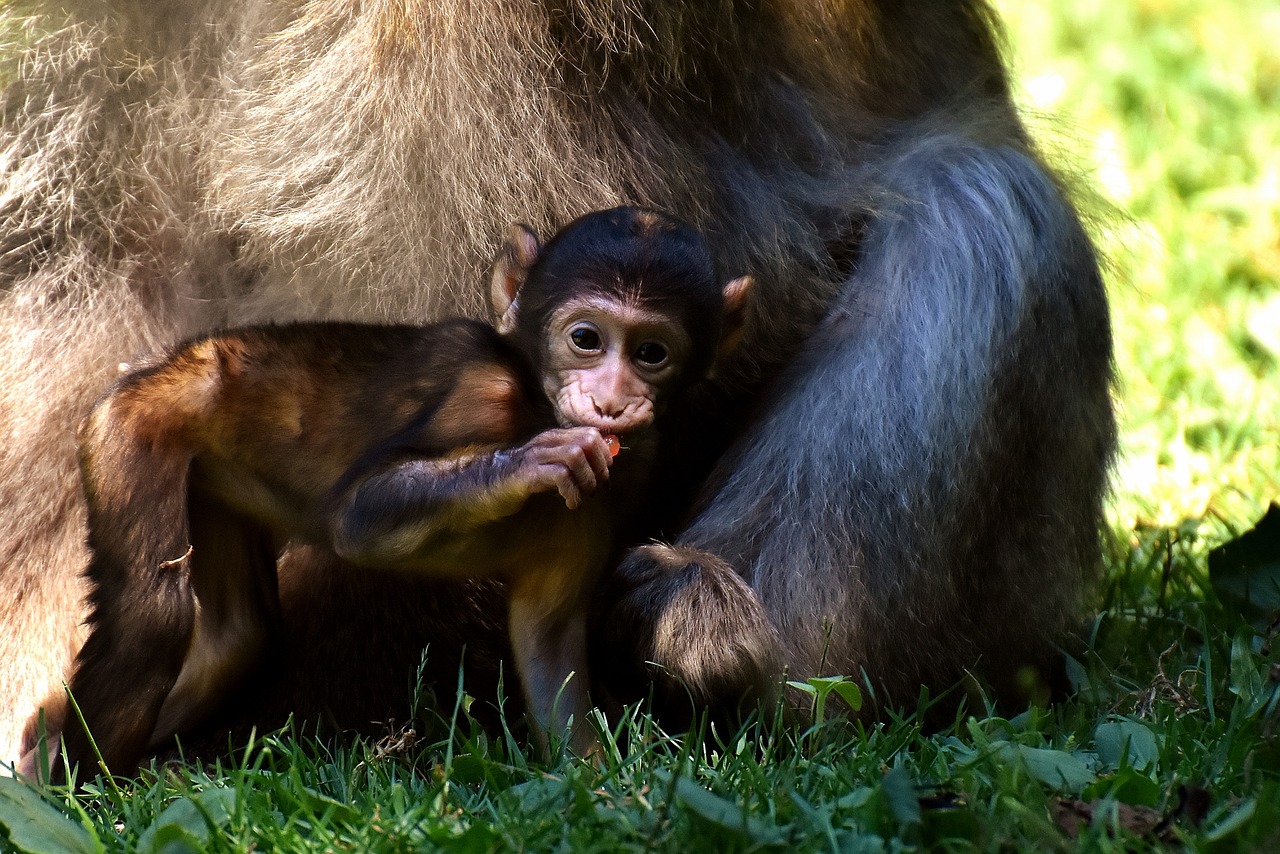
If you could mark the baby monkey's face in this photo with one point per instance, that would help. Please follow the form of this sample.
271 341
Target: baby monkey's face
608 361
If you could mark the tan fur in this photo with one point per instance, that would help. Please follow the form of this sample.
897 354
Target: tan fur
675 633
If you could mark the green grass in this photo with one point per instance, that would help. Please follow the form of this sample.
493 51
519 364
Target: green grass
1172 109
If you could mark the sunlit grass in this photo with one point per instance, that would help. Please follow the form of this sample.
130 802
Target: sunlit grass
1173 110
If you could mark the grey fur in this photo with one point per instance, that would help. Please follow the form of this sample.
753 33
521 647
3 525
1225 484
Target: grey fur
977 311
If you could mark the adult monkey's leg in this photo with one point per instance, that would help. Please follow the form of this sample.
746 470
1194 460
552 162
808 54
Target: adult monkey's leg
923 496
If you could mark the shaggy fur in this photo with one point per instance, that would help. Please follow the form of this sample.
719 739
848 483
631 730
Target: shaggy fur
918 487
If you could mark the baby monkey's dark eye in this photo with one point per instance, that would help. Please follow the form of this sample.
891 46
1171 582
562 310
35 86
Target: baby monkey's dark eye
585 338
651 354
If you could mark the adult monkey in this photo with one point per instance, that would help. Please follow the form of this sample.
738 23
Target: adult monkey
917 488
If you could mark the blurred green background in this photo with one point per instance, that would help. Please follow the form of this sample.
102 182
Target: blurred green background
1170 109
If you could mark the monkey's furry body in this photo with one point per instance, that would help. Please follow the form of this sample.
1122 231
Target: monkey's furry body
901 468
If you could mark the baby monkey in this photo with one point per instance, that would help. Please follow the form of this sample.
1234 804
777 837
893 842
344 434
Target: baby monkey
456 450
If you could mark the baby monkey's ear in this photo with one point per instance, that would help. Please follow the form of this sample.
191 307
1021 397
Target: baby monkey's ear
510 269
735 301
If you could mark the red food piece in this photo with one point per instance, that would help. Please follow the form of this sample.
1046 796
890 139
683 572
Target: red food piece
613 443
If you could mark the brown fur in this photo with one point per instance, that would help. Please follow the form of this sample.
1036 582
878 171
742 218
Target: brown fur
437 451
170 167
201 467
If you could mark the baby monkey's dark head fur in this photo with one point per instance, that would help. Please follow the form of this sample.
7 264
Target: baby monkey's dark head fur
618 310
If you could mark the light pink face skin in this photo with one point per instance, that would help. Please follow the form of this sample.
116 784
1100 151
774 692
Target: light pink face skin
608 361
